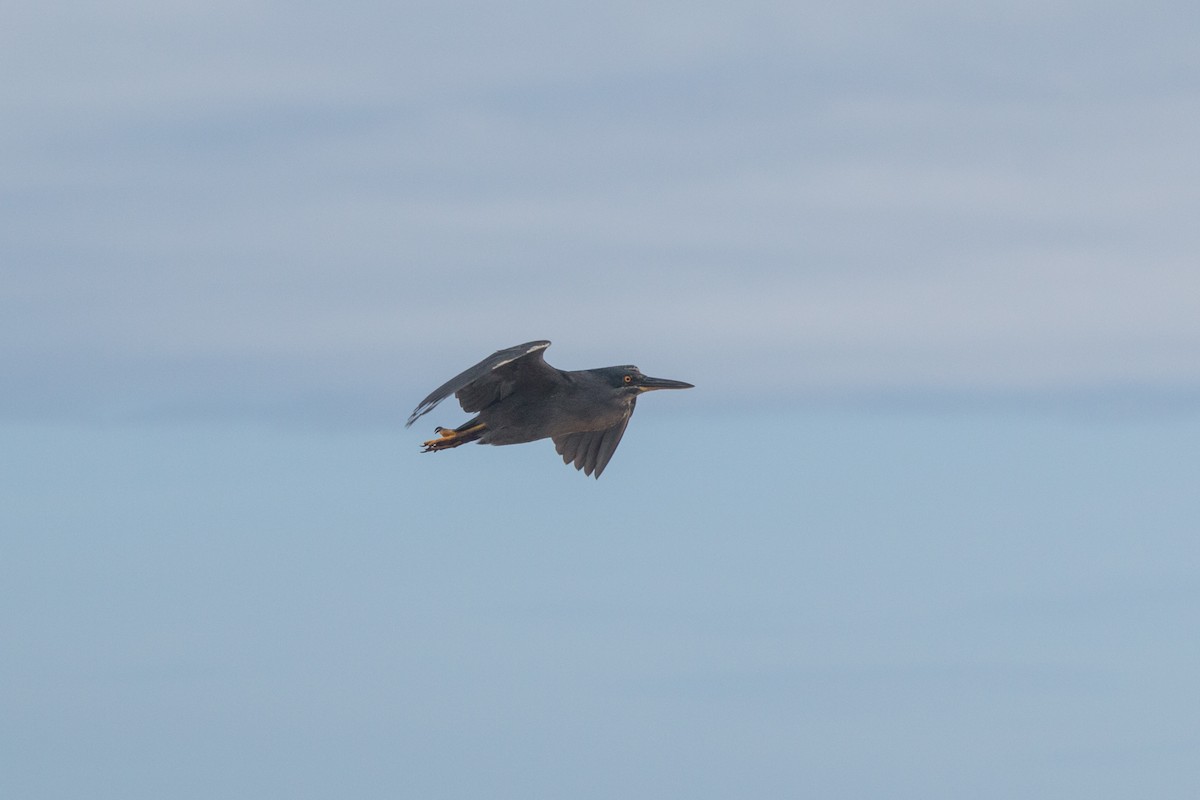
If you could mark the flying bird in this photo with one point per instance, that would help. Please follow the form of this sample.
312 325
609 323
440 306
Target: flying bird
520 398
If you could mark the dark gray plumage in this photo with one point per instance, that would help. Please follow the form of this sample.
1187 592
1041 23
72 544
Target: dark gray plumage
520 398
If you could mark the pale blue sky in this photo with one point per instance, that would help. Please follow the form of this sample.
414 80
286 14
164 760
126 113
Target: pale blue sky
911 606
925 528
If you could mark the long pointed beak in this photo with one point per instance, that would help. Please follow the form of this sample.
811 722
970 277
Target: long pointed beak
648 384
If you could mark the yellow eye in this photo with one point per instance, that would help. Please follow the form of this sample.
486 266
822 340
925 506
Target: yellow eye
629 379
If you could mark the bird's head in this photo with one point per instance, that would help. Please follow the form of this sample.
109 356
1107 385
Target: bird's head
629 379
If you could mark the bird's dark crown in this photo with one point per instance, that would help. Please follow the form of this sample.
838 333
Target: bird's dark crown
620 377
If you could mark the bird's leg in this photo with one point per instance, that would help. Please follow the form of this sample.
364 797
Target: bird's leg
447 438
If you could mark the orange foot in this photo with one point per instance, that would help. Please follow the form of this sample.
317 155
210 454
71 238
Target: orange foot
448 438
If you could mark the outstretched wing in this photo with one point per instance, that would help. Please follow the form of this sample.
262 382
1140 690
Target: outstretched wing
490 379
591 450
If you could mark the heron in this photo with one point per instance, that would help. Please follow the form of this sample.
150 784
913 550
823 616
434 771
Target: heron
517 397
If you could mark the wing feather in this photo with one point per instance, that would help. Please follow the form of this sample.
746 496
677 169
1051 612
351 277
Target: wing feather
490 379
590 451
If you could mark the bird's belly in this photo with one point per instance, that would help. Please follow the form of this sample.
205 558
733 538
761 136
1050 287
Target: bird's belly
512 424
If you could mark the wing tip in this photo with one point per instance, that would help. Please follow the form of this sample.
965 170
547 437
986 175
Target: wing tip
420 411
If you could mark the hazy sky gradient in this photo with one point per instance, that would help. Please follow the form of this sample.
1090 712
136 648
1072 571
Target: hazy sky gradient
925 528
244 205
